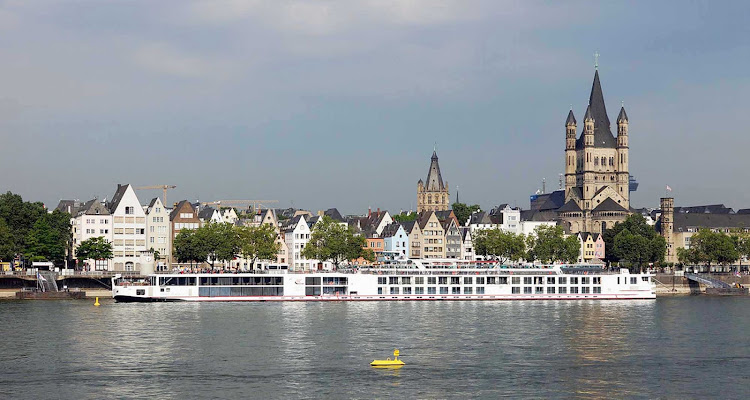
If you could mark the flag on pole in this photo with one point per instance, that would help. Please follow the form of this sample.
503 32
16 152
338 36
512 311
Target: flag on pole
669 189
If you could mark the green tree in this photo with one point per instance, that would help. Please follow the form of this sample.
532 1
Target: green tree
463 212
405 217
495 243
49 238
20 217
95 248
258 243
331 241
714 247
639 252
220 241
7 244
188 248
549 244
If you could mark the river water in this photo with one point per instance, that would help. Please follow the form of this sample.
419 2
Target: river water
673 348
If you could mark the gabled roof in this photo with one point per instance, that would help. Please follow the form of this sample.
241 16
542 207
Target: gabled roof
434 178
176 210
121 189
609 205
548 201
334 214
598 111
69 206
206 213
152 203
93 207
531 215
465 231
570 206
423 217
390 230
408 226
479 218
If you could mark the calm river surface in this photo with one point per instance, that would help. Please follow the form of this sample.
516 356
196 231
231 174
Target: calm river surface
675 348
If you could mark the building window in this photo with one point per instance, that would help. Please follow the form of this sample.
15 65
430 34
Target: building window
129 210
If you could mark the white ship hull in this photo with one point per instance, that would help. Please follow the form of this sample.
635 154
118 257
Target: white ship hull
551 283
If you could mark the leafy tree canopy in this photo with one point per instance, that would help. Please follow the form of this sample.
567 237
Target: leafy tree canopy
331 241
96 248
708 247
405 217
636 225
463 212
549 244
219 240
504 246
49 237
258 242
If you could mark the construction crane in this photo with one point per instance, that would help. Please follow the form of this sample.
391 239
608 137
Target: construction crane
162 187
255 204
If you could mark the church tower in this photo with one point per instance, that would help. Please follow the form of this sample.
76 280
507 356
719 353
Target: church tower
596 168
433 195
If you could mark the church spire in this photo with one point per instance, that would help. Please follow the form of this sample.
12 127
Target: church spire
571 119
434 178
623 117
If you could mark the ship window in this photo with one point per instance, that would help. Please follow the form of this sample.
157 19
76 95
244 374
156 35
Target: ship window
431 290
380 290
468 280
515 290
455 280
312 281
431 280
503 280
382 280
573 280
585 289
468 290
551 289
418 290
140 292
407 290
539 290
538 280
562 290
443 280
394 290
597 280
443 290
585 280
310 291
633 281
644 278
480 280
597 289
527 290
393 280
515 280
551 280
456 290
419 280
527 280
573 290
491 280
406 280
480 290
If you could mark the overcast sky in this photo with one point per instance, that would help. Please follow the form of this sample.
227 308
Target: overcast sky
338 104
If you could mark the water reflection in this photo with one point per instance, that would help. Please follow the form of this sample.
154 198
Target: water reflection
315 350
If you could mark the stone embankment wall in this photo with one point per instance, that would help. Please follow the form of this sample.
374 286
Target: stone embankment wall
668 284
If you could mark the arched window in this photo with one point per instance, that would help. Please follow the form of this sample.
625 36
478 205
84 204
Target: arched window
429 199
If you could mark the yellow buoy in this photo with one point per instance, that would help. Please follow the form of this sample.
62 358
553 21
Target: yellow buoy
395 363
96 303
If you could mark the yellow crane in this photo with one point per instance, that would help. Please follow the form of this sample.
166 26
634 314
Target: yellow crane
254 203
162 187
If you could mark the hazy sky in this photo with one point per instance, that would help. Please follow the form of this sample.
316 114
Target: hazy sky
339 103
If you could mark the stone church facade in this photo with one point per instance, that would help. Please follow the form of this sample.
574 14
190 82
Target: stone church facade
596 169
433 195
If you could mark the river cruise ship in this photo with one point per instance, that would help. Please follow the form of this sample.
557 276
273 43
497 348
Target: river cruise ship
408 280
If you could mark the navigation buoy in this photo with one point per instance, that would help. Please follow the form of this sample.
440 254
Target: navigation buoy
96 303
388 363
